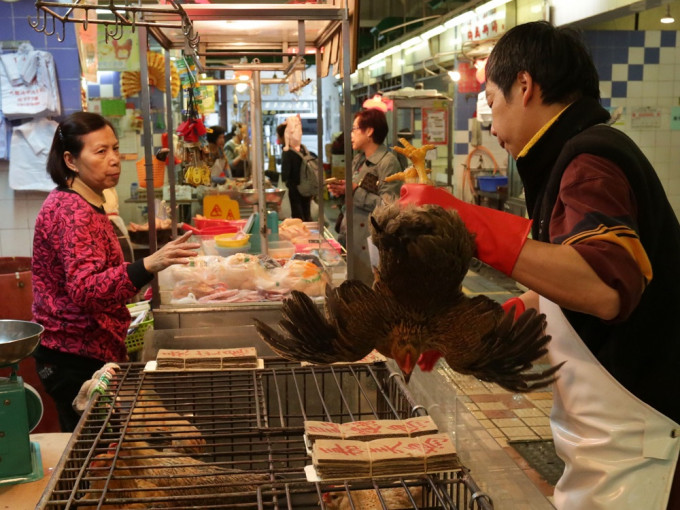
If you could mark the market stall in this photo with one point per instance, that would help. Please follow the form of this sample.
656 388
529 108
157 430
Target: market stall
210 36
223 436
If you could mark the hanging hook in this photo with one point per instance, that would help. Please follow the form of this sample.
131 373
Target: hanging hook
34 24
54 25
117 32
133 24
63 31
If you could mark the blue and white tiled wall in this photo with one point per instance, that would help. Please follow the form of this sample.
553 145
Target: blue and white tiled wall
637 70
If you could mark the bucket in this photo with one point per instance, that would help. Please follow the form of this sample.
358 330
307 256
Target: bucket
16 288
158 173
17 292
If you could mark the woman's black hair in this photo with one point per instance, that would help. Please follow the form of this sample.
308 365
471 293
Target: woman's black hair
556 58
281 131
69 138
214 134
373 118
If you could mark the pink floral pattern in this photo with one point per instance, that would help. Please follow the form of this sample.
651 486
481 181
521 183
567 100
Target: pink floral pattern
80 280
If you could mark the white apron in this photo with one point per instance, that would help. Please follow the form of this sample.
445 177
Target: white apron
620 454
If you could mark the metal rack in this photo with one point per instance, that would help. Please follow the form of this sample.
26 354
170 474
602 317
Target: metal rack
184 430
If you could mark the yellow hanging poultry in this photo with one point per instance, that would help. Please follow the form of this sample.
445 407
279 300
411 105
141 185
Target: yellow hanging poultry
416 306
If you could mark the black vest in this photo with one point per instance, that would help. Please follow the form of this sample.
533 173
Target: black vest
642 353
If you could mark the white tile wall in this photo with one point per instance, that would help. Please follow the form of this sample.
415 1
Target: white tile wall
18 211
636 56
619 72
653 38
667 56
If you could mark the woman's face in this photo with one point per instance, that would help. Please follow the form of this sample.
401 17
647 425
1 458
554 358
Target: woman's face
220 141
98 164
241 133
360 137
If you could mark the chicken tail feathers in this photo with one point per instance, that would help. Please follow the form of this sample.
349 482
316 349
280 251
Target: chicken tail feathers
509 352
305 334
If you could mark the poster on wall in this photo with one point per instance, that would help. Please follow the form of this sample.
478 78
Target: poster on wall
645 117
117 54
435 126
675 118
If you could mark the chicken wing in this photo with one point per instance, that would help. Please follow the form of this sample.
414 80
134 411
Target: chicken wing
416 305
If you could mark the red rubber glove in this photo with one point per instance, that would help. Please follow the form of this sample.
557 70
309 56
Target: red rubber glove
499 236
518 305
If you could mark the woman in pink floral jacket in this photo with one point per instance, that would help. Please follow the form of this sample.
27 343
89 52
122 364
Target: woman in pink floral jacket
80 280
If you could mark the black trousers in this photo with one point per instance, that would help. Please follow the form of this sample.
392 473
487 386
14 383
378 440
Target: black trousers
300 207
62 379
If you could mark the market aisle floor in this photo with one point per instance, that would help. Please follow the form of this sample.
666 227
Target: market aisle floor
507 416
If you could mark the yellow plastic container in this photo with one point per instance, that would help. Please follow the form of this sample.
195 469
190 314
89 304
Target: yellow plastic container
235 240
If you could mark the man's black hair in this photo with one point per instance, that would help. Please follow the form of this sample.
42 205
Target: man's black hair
556 58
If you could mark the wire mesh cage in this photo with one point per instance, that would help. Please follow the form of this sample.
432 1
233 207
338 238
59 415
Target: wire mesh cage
234 439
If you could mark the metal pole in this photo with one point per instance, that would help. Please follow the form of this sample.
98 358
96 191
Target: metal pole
224 104
449 147
171 155
257 173
147 140
319 126
347 115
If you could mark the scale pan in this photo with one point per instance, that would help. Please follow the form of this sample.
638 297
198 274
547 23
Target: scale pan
18 339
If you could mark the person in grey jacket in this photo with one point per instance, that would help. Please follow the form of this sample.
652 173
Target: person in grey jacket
370 167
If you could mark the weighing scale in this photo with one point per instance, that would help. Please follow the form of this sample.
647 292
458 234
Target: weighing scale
20 405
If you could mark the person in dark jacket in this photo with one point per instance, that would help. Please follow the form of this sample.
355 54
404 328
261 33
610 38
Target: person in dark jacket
291 162
80 280
602 264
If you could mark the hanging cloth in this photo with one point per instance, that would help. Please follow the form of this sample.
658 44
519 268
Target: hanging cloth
30 147
28 83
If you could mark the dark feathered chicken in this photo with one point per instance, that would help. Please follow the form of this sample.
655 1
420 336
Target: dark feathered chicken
415 306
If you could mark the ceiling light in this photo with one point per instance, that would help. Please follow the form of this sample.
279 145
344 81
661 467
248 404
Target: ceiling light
668 18
241 87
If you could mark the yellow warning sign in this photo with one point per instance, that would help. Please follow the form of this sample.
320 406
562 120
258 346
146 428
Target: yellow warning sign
220 207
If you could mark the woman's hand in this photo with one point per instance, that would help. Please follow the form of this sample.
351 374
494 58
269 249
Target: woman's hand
178 251
243 151
336 187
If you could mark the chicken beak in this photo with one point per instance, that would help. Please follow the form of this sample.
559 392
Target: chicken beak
406 360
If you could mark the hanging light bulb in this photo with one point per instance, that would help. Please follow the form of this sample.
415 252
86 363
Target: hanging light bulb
668 18
454 75
241 87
